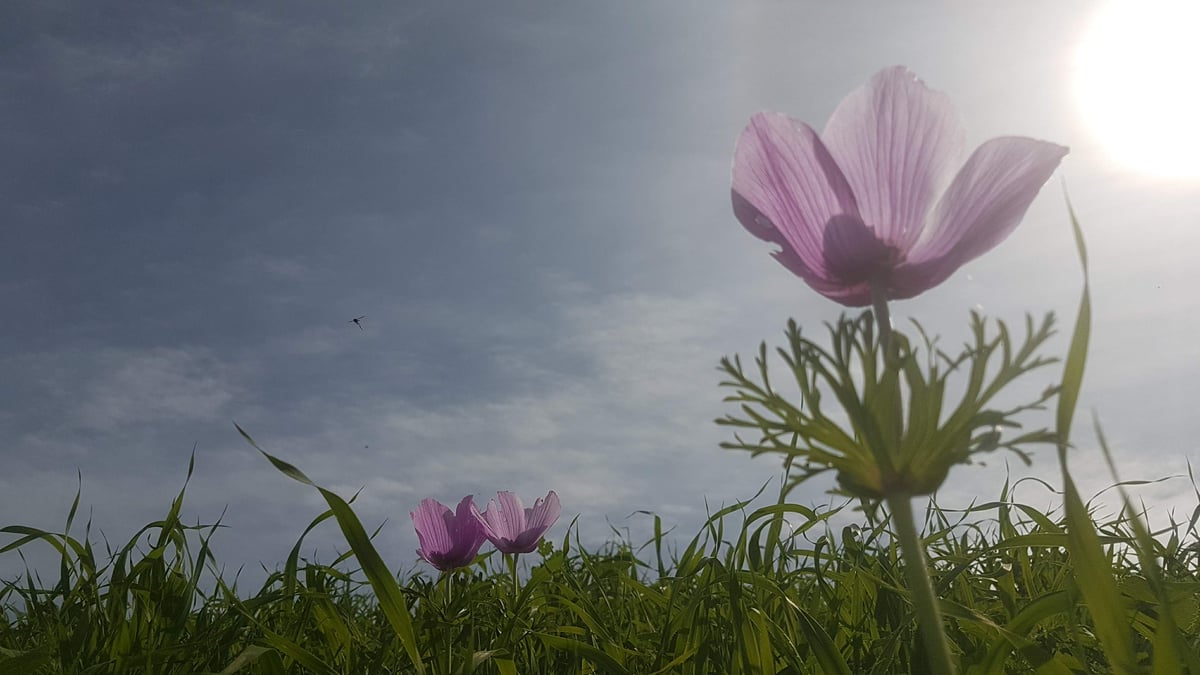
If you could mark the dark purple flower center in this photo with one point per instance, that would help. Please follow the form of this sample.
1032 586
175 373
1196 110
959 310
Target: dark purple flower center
853 254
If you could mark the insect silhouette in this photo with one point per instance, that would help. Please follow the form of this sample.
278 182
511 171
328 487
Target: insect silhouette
358 321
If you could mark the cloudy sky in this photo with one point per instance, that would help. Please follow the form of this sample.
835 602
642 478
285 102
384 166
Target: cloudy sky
530 204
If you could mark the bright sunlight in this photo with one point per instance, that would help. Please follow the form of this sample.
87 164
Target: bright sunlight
1136 86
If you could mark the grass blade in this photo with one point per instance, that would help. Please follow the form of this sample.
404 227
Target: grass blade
1092 568
387 591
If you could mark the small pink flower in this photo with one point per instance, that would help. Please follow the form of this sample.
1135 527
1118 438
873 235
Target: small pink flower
514 529
872 202
448 540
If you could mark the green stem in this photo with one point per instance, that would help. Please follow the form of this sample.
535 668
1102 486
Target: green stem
920 584
883 318
447 588
512 566
511 559
890 460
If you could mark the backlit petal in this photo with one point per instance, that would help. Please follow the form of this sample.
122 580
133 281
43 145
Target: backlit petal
543 514
467 530
429 521
983 205
512 511
896 142
493 522
786 188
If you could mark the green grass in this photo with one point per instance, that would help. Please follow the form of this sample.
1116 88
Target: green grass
768 589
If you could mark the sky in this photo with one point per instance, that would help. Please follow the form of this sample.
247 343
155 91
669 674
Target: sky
530 204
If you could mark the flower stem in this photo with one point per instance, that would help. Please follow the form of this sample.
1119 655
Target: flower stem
447 588
920 585
512 566
883 318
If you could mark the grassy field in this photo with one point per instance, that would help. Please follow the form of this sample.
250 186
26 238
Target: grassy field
775 589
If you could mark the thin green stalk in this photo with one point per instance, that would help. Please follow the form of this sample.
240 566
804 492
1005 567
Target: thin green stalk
512 566
883 317
920 584
447 582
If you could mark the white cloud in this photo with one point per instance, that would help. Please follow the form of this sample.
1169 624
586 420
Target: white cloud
144 387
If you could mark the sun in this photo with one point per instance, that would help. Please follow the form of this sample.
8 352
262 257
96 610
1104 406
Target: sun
1137 84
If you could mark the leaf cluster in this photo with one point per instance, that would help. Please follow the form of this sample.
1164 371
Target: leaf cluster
895 431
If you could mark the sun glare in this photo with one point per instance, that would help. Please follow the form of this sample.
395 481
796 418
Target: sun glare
1137 84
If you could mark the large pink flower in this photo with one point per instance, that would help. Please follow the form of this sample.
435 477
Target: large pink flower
872 202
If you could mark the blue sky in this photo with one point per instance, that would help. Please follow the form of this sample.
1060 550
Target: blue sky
530 203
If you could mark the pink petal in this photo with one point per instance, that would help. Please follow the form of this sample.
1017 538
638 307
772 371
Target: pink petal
786 188
760 226
466 526
464 509
983 205
896 142
482 517
512 511
492 521
504 521
543 514
429 520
